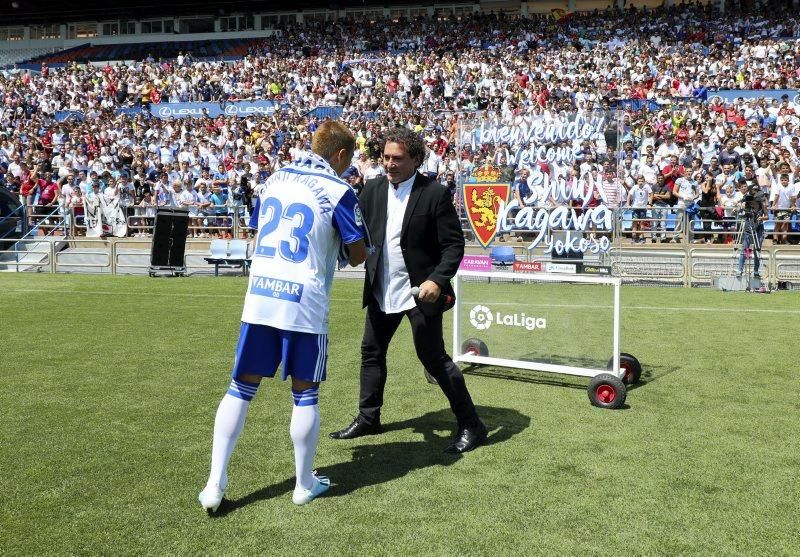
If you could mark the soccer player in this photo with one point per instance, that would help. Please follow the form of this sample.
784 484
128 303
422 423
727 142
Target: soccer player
305 216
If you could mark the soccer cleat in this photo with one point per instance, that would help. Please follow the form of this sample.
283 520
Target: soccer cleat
304 496
211 498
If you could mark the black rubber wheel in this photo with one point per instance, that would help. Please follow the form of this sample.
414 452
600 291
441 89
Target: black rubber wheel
607 391
474 346
631 366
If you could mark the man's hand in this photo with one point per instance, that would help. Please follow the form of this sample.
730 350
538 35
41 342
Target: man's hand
429 292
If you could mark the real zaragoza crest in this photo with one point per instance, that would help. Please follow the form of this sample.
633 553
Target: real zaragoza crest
482 198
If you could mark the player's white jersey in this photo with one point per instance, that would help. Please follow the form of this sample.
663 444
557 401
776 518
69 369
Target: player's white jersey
301 215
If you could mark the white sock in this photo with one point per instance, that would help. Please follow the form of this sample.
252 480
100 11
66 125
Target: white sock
228 425
304 430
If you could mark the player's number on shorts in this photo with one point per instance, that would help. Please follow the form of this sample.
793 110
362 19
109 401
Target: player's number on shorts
295 248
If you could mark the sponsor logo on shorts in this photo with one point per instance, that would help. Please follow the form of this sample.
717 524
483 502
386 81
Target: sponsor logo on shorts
276 288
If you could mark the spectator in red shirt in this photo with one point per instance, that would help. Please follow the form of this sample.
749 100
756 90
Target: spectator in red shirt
672 171
49 191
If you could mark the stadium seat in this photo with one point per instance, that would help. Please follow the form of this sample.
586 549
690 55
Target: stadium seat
228 255
769 224
218 255
671 222
238 249
503 256
627 220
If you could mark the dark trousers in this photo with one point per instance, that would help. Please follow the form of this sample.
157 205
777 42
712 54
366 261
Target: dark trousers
379 329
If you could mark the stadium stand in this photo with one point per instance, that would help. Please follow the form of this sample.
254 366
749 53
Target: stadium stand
9 57
156 51
686 83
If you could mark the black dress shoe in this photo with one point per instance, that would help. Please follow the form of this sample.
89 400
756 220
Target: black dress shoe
358 428
468 438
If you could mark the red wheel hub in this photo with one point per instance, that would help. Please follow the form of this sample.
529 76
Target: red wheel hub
628 372
605 393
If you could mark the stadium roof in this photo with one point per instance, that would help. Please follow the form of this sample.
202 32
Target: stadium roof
26 12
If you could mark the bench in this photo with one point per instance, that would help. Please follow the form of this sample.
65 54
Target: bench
229 254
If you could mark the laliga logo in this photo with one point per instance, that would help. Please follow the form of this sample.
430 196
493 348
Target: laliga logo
482 318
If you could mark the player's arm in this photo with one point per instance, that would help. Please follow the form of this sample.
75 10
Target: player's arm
357 253
348 221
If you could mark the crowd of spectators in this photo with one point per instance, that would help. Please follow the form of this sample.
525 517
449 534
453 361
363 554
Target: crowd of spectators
683 148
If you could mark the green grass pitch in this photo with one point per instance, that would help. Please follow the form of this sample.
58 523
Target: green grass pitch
109 387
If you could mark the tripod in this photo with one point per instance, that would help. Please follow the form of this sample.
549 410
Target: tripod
750 235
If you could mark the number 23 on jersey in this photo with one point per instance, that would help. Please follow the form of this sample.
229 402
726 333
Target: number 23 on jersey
291 244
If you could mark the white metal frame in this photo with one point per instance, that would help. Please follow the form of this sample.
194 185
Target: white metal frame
458 357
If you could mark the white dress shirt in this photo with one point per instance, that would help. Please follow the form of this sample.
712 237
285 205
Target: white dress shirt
394 294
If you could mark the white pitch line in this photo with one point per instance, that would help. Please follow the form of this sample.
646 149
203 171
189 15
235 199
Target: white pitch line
145 294
353 300
645 308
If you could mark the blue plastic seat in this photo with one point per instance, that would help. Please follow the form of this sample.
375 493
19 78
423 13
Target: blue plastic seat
627 220
671 222
769 224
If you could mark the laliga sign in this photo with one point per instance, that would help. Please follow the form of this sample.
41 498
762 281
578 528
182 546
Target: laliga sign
481 317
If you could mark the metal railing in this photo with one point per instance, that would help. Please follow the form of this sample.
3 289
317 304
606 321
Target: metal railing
682 264
214 222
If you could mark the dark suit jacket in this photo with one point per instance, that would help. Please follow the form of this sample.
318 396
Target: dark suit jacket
431 237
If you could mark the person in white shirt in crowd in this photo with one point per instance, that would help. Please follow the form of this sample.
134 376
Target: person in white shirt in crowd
648 170
430 167
373 169
667 149
640 197
783 200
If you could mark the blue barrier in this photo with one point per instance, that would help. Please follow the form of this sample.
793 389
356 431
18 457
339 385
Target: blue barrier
733 94
66 115
322 112
132 111
240 109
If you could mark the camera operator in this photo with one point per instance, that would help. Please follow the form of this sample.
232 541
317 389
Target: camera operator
754 210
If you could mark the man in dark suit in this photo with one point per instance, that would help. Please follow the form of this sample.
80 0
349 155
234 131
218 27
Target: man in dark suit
419 243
